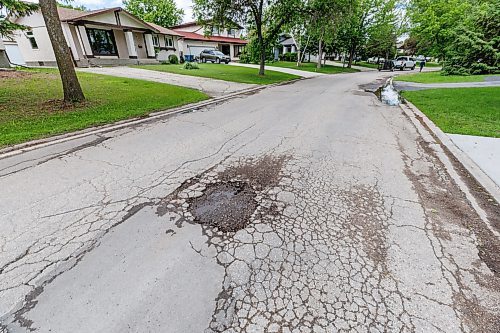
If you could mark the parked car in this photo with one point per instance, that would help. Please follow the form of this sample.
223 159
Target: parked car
402 63
375 60
214 56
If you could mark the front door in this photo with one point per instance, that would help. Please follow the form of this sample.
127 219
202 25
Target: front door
225 48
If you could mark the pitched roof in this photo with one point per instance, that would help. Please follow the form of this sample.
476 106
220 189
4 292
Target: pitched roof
195 36
163 30
194 23
67 14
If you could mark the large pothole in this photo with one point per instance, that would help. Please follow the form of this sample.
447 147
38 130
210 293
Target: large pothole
227 206
225 199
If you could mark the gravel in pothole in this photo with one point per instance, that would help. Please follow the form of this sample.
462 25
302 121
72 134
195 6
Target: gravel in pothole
227 206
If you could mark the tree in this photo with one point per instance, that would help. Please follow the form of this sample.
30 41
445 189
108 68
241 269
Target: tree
161 12
354 27
382 33
267 17
461 33
13 8
433 23
70 6
71 87
324 18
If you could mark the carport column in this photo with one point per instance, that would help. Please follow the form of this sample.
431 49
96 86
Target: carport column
69 39
87 49
150 48
129 39
231 51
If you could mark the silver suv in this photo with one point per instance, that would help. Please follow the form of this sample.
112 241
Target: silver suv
402 63
214 56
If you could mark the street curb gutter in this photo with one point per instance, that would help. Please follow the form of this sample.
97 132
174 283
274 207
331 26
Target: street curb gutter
484 180
53 140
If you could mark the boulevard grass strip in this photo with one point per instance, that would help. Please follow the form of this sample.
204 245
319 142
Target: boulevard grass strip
470 111
225 72
31 104
436 77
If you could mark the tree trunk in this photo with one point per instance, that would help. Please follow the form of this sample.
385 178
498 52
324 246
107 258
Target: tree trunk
71 87
320 53
262 46
351 56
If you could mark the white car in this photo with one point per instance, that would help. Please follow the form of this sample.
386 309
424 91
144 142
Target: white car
373 60
402 63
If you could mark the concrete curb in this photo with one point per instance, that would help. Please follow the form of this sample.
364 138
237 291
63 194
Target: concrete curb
489 185
36 144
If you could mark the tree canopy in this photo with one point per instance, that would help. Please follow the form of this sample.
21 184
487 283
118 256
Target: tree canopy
465 34
161 12
13 8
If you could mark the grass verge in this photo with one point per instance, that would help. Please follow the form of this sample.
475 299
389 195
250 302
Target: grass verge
225 72
436 77
311 67
31 103
471 111
366 64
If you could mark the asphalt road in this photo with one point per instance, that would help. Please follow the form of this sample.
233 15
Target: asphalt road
308 207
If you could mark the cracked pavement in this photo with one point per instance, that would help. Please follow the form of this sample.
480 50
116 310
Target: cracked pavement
358 224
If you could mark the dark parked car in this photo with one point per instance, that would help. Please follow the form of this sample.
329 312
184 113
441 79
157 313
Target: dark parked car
214 56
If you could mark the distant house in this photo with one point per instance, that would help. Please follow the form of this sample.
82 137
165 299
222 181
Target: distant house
195 40
110 36
287 44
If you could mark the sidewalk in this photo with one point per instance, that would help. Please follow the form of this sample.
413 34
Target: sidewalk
484 151
298 72
359 68
409 86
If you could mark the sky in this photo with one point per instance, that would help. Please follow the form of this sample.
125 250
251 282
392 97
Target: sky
97 4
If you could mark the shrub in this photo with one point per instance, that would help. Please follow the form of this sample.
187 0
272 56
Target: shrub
480 68
245 58
289 56
191 65
173 59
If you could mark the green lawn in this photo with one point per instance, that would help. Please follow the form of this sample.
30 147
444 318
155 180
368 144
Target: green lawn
366 64
430 64
436 77
473 111
225 72
311 67
31 106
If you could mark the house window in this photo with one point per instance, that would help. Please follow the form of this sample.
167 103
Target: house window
102 42
156 41
169 42
32 40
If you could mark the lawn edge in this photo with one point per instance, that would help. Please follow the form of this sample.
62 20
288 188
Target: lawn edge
419 119
20 148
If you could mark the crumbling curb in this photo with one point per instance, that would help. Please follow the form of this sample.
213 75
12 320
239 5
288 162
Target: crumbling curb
41 143
484 180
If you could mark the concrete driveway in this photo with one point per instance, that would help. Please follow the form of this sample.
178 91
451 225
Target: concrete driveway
211 87
308 207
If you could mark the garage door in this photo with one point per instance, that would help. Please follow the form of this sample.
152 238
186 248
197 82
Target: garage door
14 54
196 50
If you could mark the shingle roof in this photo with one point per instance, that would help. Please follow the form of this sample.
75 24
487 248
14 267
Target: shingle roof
164 30
195 36
67 14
